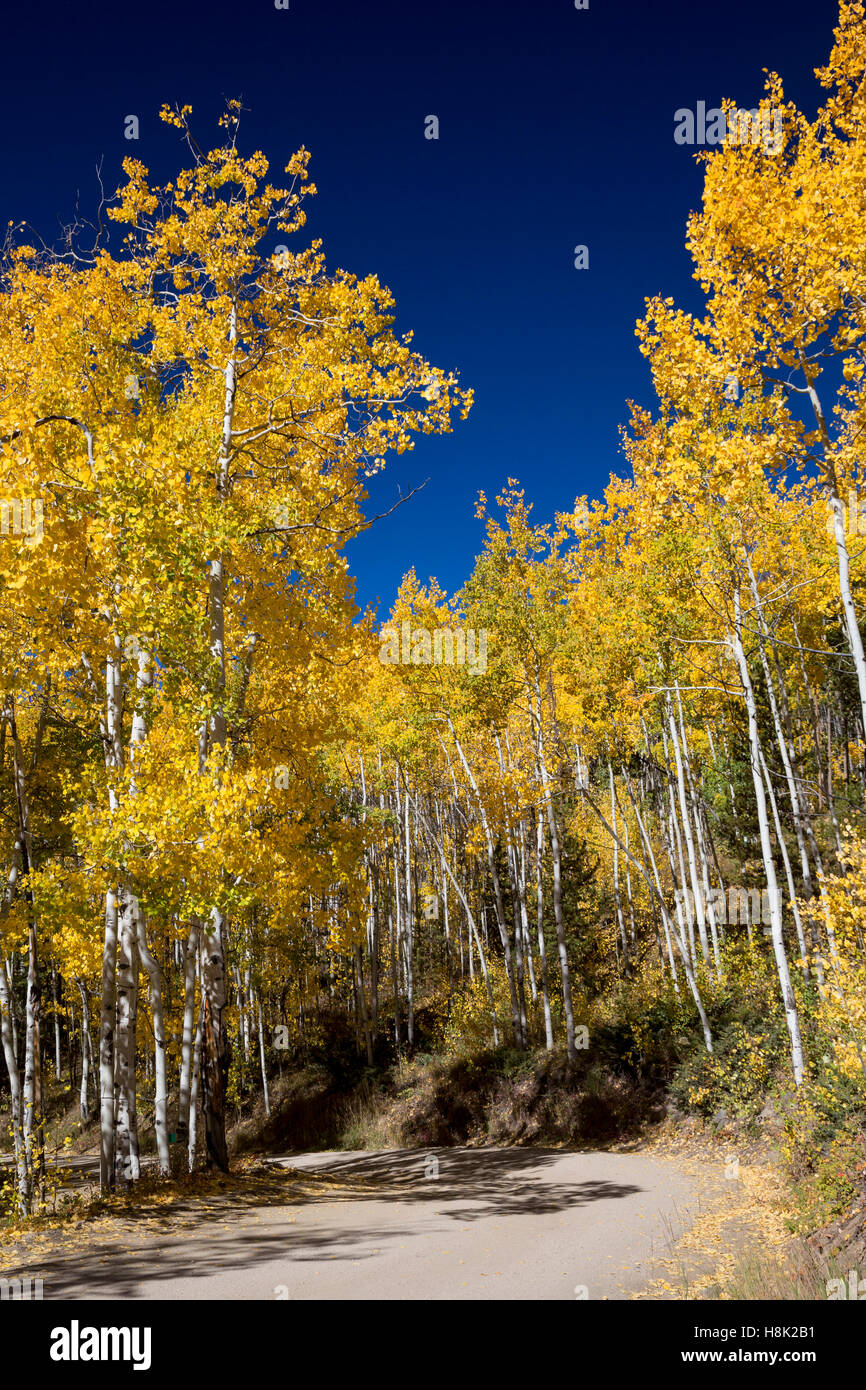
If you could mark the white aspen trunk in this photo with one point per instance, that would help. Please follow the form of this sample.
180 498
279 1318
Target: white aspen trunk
831 800
542 950
446 924
246 1010
671 840
628 884
735 817
22 1173
687 899
400 959
708 897
362 1005
556 858
140 951
471 920
265 1092
212 956
816 961
108 1002
8 1035
33 1120
9 967
106 1045
409 933
125 1158
511 865
519 963
519 1041
372 925
160 1071
855 641
838 509
86 1054
193 1094
132 1105
440 888
687 831
520 862
792 892
648 851
243 1017
471 951
682 906
55 999
620 921
802 819
392 944
814 722
684 956
582 777
187 1035
792 1018
700 846
374 943
393 939
213 1059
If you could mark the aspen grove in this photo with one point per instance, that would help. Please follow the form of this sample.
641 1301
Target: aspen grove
232 812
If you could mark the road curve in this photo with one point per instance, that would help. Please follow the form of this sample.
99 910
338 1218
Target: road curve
424 1224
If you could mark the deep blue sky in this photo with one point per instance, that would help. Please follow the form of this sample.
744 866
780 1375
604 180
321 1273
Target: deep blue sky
556 128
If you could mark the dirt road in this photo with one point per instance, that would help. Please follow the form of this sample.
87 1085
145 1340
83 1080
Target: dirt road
414 1224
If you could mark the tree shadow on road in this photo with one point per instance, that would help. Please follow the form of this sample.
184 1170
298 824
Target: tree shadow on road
494 1182
240 1225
